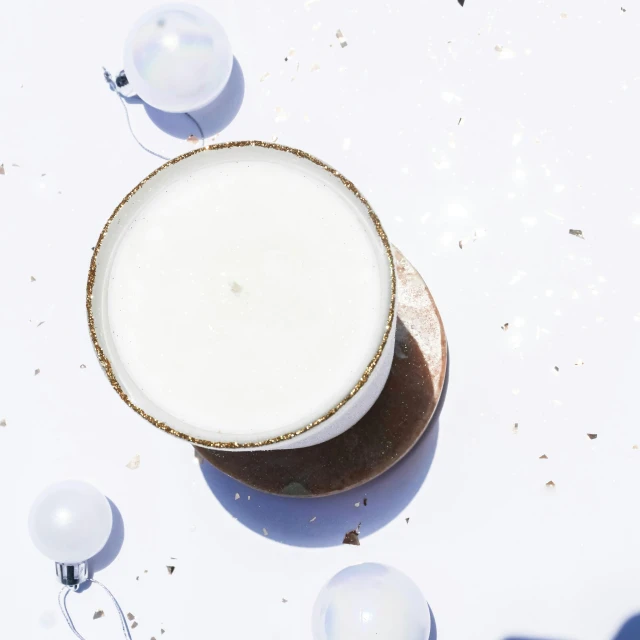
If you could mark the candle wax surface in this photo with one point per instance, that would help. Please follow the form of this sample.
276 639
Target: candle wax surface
248 297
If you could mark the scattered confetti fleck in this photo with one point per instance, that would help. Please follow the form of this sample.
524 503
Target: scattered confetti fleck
541 331
170 569
264 532
592 436
292 52
2 171
516 278
162 632
248 497
36 372
623 10
352 537
193 139
544 456
357 504
505 326
551 484
3 422
635 446
284 601
236 288
556 369
315 67
134 463
308 3
364 502
341 39
555 215
515 427
134 625
407 520
577 233
98 614
460 121
32 279
281 114
563 15
237 496
40 323
264 76
504 53
313 519
130 616
578 363
447 96
83 366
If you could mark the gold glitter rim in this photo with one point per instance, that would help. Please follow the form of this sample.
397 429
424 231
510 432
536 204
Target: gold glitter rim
106 364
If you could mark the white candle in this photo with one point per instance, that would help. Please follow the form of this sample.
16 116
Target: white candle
248 290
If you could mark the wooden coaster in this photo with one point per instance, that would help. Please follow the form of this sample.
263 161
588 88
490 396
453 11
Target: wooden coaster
386 433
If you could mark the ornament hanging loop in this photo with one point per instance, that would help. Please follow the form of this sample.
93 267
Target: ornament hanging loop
62 601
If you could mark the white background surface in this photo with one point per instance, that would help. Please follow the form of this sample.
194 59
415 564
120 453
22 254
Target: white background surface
548 142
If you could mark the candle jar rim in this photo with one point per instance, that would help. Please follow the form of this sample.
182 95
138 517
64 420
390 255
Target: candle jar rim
291 435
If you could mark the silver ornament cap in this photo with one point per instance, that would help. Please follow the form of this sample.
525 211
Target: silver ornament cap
72 575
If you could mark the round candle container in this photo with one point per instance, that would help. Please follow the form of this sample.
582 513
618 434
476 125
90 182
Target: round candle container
242 296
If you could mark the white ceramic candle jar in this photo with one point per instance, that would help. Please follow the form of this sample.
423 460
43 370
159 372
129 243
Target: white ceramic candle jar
243 296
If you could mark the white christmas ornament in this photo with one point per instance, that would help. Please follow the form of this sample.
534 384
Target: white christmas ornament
177 58
69 523
371 602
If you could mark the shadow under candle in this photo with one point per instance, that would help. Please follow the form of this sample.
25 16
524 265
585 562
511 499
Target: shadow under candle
381 435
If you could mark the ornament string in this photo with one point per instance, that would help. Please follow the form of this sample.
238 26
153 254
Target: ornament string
62 602
112 85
